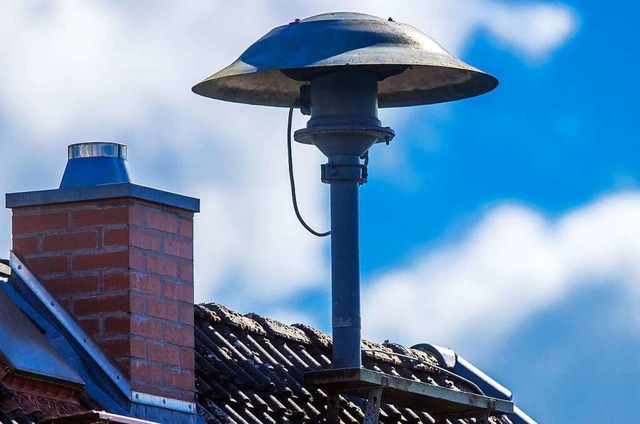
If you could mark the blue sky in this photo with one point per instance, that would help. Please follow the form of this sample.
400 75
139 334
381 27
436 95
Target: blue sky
504 226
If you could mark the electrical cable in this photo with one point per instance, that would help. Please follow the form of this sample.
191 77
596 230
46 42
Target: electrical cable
292 182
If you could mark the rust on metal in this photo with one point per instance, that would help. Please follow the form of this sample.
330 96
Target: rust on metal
408 393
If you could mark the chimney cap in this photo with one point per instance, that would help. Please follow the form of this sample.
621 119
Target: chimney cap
95 163
98 170
97 149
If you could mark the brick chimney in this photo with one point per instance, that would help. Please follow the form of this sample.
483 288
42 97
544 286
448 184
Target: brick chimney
119 256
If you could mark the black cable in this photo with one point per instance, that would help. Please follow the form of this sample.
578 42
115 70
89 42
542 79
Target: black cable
293 184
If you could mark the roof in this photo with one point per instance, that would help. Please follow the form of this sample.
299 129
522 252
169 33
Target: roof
249 369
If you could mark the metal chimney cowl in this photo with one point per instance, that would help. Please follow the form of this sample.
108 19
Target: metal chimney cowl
95 163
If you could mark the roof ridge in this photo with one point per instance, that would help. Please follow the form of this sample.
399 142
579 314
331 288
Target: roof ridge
305 334
279 329
5 269
217 312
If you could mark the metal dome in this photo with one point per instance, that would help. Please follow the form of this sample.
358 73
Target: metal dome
412 69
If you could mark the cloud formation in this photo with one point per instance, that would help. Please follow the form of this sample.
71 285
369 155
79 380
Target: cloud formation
532 30
513 264
102 70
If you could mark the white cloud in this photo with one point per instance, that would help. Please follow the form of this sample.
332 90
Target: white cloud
533 30
513 264
102 70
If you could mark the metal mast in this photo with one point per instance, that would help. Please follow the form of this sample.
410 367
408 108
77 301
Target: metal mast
341 67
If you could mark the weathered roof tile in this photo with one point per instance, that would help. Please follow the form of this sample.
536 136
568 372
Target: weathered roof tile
251 369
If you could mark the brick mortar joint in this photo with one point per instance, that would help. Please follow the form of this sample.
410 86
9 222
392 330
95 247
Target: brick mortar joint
154 231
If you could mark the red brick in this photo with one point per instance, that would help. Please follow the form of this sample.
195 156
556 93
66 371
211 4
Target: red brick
164 353
137 304
136 215
132 281
101 260
138 348
67 303
118 325
146 327
137 260
181 292
182 336
187 314
186 272
187 359
185 227
180 248
31 210
145 240
143 370
180 380
25 245
115 237
162 266
45 265
117 347
146 284
164 310
63 286
161 221
118 281
125 365
91 326
25 224
54 207
124 347
102 304
70 241
103 216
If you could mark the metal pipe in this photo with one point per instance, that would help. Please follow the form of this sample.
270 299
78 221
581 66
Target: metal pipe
344 100
344 125
345 269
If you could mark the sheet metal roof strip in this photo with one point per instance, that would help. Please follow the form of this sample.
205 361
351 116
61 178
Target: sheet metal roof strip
25 351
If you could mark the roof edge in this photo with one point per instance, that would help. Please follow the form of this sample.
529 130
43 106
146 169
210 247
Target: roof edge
99 192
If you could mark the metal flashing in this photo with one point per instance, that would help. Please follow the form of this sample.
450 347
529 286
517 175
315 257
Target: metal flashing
70 324
99 192
467 370
446 357
26 352
519 417
163 402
